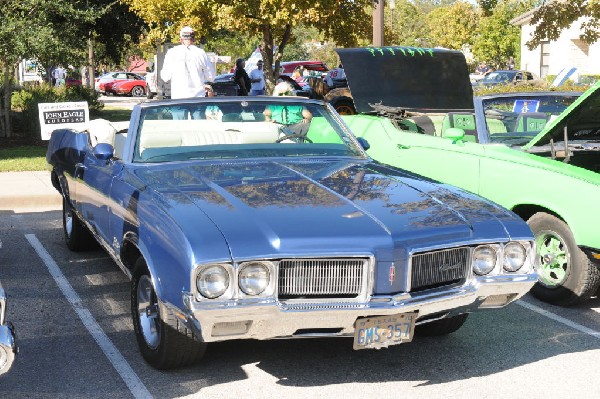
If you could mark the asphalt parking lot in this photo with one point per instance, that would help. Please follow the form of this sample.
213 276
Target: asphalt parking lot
73 322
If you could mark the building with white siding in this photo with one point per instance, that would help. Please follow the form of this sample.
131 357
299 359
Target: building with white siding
551 57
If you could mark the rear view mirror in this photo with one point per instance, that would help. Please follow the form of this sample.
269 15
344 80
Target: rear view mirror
363 143
103 151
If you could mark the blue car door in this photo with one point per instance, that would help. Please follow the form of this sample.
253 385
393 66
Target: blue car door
94 192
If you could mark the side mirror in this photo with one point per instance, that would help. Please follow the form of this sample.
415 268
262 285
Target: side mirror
455 134
103 151
363 143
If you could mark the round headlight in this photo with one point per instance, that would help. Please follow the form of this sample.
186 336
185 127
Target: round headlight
514 256
484 260
254 278
213 281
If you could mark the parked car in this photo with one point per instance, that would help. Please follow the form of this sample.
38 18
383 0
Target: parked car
315 67
223 85
8 339
240 227
72 82
103 80
134 85
511 76
537 154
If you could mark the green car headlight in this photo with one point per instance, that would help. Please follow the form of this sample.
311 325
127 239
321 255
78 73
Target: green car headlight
254 278
212 281
514 256
484 259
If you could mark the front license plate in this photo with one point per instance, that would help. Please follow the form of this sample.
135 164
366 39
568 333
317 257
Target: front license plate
383 331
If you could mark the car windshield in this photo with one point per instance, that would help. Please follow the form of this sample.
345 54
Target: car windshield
516 120
498 77
264 127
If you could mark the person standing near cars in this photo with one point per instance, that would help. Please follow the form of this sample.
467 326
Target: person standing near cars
187 67
241 77
257 77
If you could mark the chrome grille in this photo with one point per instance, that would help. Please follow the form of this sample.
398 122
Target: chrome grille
434 269
322 278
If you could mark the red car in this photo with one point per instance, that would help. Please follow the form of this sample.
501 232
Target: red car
288 67
130 84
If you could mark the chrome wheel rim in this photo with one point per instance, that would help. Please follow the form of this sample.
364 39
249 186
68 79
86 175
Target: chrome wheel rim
554 259
137 91
147 307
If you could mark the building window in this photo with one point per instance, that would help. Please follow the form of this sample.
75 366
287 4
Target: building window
545 59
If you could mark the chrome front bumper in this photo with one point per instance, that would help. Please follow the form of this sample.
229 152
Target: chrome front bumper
8 340
270 319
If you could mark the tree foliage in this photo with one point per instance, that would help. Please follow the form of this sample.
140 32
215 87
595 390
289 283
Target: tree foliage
497 39
55 32
343 21
552 17
32 28
487 6
453 26
406 25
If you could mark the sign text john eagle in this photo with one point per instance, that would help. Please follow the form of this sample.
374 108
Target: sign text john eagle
67 116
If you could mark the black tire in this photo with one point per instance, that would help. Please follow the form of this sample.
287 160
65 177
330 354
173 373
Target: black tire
163 344
345 107
566 275
441 327
77 236
149 95
137 91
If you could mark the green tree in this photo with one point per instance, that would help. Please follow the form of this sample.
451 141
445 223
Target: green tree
52 23
426 6
345 22
406 25
552 17
51 32
453 25
487 6
497 39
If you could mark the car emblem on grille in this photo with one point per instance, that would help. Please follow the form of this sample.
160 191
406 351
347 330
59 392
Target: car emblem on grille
446 267
392 274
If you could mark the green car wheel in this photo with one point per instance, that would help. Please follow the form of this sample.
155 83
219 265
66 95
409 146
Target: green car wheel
566 275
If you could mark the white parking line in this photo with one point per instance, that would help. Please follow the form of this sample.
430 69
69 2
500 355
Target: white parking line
560 319
133 382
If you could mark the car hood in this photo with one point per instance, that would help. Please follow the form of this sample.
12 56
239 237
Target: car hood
581 114
296 208
407 77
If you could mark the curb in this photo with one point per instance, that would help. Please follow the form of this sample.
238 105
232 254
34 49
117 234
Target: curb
28 191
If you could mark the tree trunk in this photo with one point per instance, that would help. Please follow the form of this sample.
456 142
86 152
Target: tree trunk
272 61
91 75
5 103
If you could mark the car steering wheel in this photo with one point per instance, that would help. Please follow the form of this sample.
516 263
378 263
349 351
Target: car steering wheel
289 134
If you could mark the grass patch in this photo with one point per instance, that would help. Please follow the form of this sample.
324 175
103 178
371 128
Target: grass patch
111 114
19 156
22 158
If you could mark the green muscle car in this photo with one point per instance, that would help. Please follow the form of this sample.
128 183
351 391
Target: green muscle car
537 154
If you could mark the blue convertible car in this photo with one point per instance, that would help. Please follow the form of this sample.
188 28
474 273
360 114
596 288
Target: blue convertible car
263 217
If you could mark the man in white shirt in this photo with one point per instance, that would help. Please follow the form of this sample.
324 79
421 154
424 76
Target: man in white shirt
187 67
257 77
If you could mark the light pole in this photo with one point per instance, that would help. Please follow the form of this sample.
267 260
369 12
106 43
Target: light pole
377 23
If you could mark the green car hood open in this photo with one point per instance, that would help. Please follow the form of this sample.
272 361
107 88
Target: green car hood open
407 77
580 115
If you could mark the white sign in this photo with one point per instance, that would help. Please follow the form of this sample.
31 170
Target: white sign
54 116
